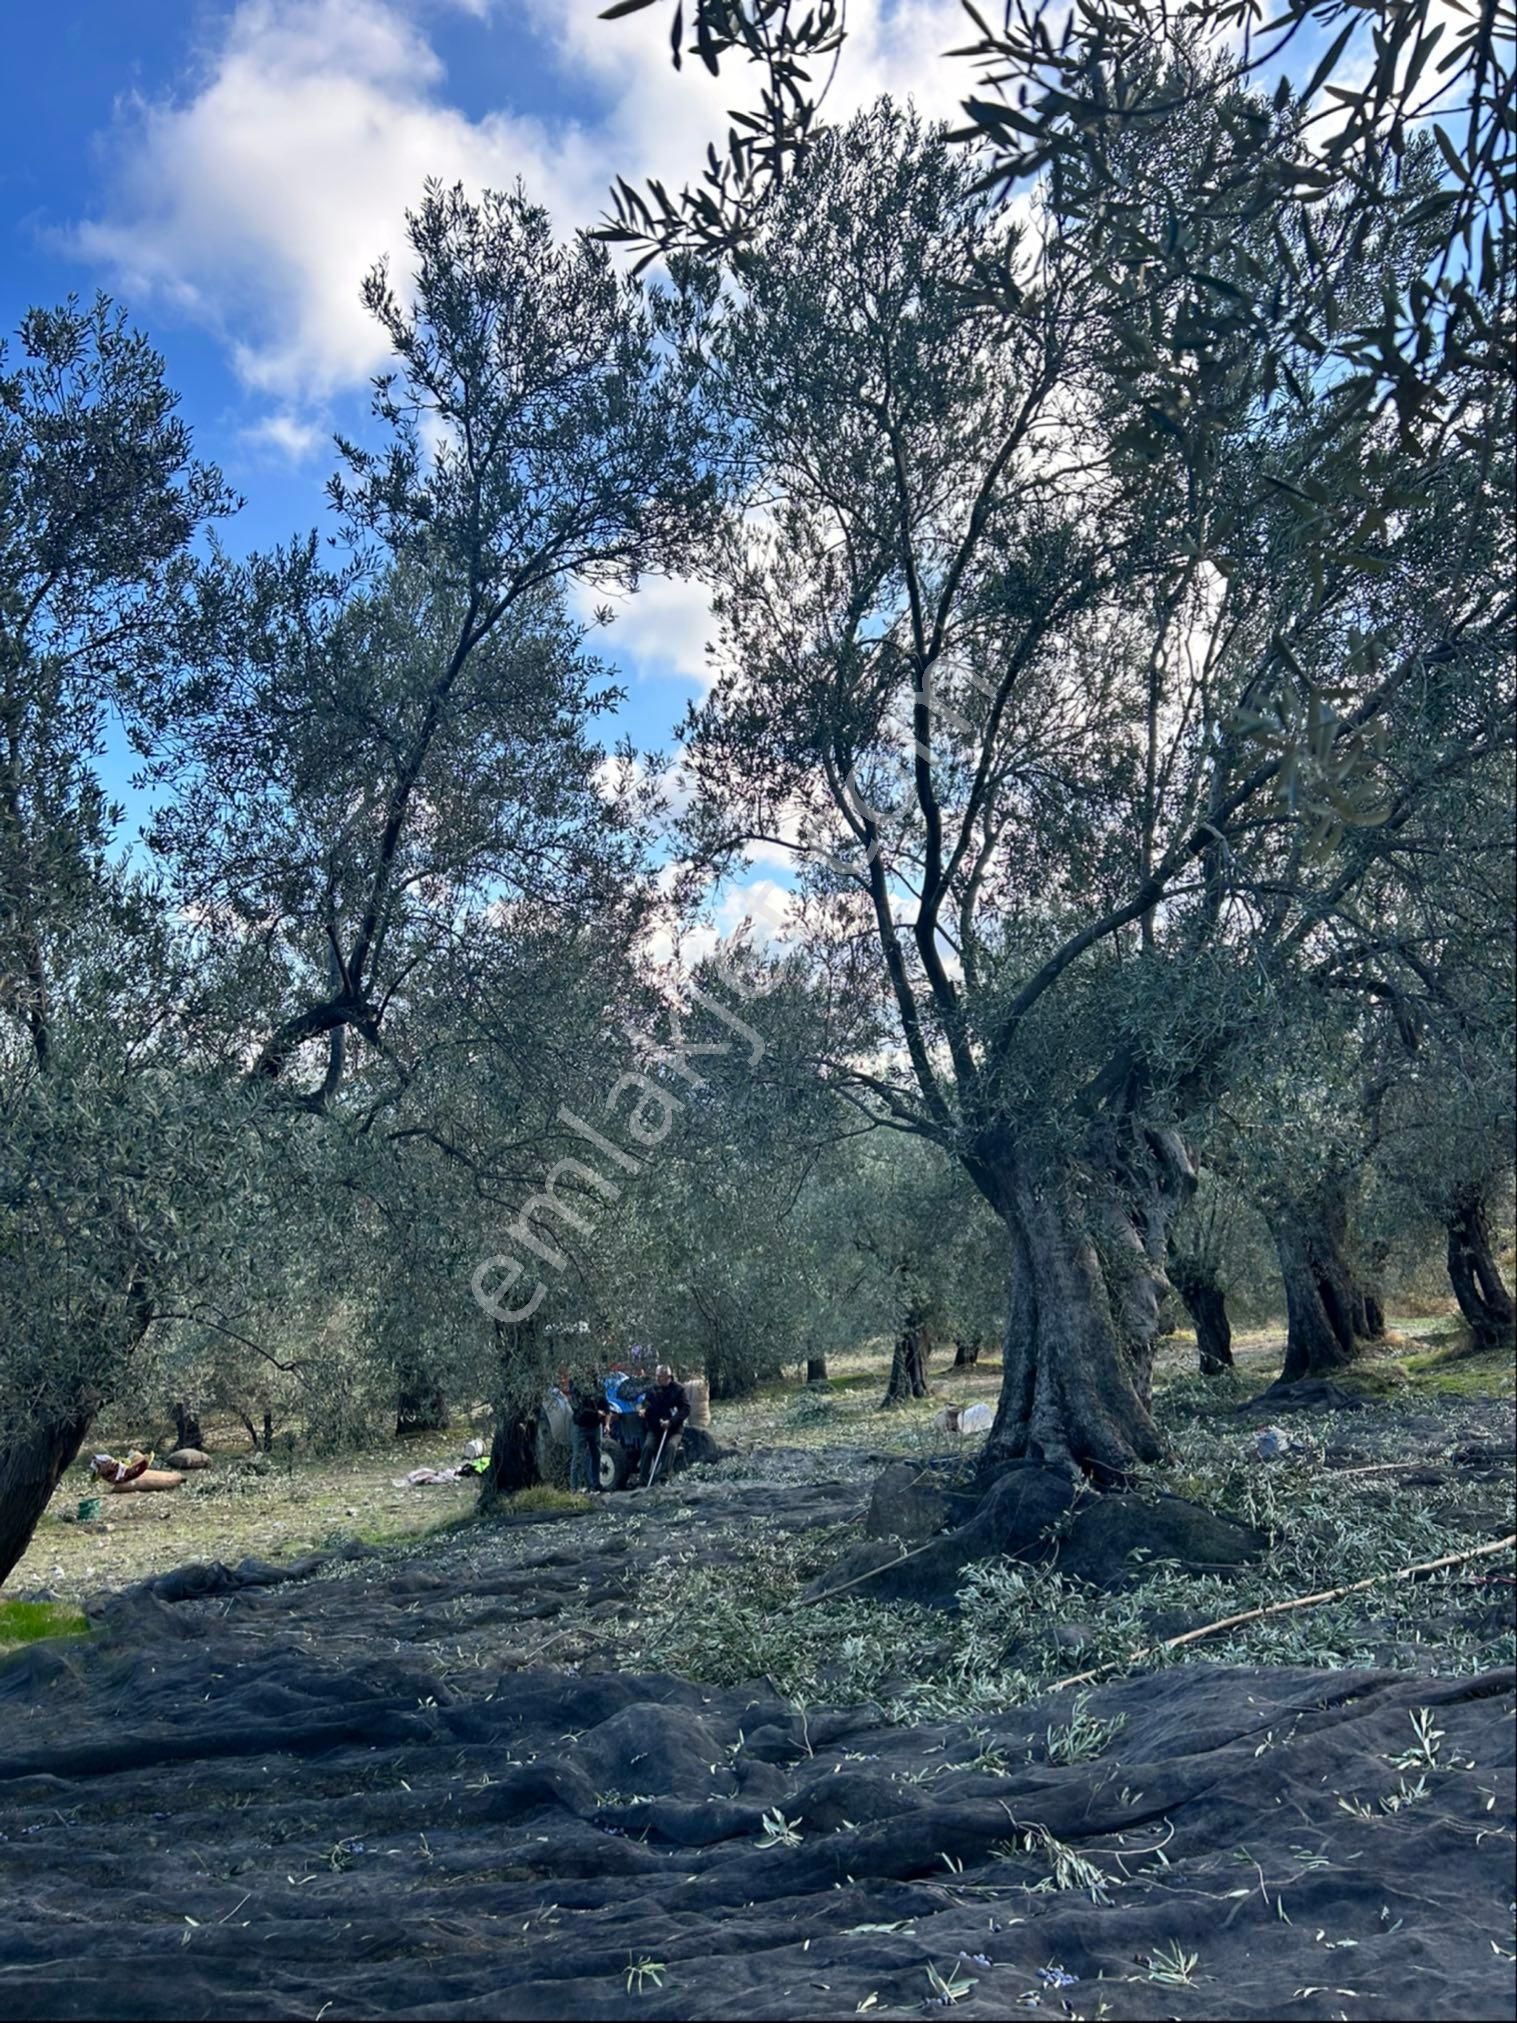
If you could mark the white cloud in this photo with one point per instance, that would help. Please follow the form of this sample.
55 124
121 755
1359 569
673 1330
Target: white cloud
761 903
662 627
287 434
759 910
658 120
675 790
257 201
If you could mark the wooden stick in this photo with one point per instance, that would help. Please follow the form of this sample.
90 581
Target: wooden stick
859 1579
1388 1467
1333 1594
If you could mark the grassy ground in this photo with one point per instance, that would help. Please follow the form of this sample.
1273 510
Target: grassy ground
1422 1354
288 1504
24 1623
276 1508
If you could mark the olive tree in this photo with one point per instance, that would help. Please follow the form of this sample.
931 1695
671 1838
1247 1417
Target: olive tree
377 791
1074 715
113 1153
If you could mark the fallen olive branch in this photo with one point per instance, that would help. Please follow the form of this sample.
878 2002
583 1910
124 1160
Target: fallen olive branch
1283 1608
810 1601
1389 1467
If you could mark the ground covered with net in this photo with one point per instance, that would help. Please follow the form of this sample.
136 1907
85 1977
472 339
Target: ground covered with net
418 1786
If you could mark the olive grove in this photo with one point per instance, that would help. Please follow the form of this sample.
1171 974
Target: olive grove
1106 507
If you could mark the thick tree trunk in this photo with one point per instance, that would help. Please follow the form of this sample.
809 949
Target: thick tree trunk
1330 1310
513 1454
1476 1277
1369 1314
965 1354
908 1366
187 1431
1073 1394
514 1447
32 1463
1087 1233
816 1369
1206 1303
1319 1299
421 1406
729 1380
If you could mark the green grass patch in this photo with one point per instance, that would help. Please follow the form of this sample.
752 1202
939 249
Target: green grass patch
544 1500
24 1623
1461 1373
1383 1377
395 1532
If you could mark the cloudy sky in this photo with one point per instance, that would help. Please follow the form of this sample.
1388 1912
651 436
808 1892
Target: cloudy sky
229 169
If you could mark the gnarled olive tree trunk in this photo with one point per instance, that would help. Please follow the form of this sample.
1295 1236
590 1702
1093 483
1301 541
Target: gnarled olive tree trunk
816 1369
187 1431
33 1458
1476 1277
908 1366
421 1406
514 1444
1086 1242
1330 1312
1206 1303
513 1454
41 1429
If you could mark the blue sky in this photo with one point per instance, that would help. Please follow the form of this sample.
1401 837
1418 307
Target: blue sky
228 169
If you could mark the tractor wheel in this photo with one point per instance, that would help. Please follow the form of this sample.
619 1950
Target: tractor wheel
615 1466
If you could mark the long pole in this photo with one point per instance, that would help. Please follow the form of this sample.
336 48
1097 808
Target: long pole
653 1471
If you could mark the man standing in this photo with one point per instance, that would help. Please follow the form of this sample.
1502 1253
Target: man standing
588 1408
663 1412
